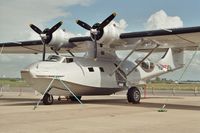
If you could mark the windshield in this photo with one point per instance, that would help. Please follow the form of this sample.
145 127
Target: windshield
53 58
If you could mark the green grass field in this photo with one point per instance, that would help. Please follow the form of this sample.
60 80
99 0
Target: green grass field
13 82
163 86
160 86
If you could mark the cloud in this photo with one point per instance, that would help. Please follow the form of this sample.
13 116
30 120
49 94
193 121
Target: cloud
11 64
160 20
18 14
122 24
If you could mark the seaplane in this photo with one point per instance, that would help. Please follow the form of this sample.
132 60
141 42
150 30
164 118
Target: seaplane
100 71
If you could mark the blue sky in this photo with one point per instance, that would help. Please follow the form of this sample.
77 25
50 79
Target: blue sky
16 15
135 12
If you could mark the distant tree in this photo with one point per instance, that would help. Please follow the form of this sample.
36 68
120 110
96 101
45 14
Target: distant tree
157 79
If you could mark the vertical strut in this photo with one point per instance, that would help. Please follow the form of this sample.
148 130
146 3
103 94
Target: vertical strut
49 88
46 91
68 89
70 53
2 49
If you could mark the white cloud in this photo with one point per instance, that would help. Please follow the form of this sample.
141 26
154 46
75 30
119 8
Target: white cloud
122 24
18 14
11 64
33 36
160 20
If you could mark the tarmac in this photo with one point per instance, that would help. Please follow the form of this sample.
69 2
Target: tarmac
99 114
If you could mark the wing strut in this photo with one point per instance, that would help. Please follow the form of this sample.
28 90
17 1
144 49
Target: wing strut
138 43
70 53
157 45
2 49
66 87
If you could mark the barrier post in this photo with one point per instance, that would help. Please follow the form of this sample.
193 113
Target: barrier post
1 91
173 92
20 92
152 90
195 91
145 91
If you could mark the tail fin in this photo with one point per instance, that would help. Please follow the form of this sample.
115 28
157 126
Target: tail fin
172 59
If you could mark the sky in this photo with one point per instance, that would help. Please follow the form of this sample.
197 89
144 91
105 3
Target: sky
132 15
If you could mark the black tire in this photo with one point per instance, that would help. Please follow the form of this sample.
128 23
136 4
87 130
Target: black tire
59 98
72 98
48 99
133 95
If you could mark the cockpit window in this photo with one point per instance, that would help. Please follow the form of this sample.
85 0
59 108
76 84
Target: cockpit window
53 58
68 60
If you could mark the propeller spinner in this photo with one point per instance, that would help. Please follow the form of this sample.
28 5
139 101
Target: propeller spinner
46 35
96 31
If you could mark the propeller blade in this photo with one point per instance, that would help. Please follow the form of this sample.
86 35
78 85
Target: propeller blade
55 27
44 52
83 24
107 20
36 29
46 35
95 47
96 31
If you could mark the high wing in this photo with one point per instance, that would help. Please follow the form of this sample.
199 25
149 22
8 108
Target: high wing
76 44
34 46
187 38
56 39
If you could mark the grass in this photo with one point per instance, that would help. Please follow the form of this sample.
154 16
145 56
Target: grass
169 86
158 86
13 82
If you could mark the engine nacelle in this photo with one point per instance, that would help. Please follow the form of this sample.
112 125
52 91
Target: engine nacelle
111 33
59 38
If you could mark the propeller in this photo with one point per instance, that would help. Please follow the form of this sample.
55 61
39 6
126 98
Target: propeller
96 31
46 35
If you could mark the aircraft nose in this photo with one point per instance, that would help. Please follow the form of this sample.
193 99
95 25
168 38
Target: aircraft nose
26 75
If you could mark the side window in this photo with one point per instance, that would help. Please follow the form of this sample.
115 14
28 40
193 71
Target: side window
91 69
69 60
101 69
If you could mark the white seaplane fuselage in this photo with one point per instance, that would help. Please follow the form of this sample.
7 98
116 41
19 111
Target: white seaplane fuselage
86 76
83 76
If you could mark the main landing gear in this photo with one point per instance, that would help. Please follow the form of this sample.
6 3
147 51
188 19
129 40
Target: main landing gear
73 99
48 99
133 95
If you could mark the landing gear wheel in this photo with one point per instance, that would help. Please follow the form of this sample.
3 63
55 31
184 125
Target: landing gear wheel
59 98
72 98
133 95
48 99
